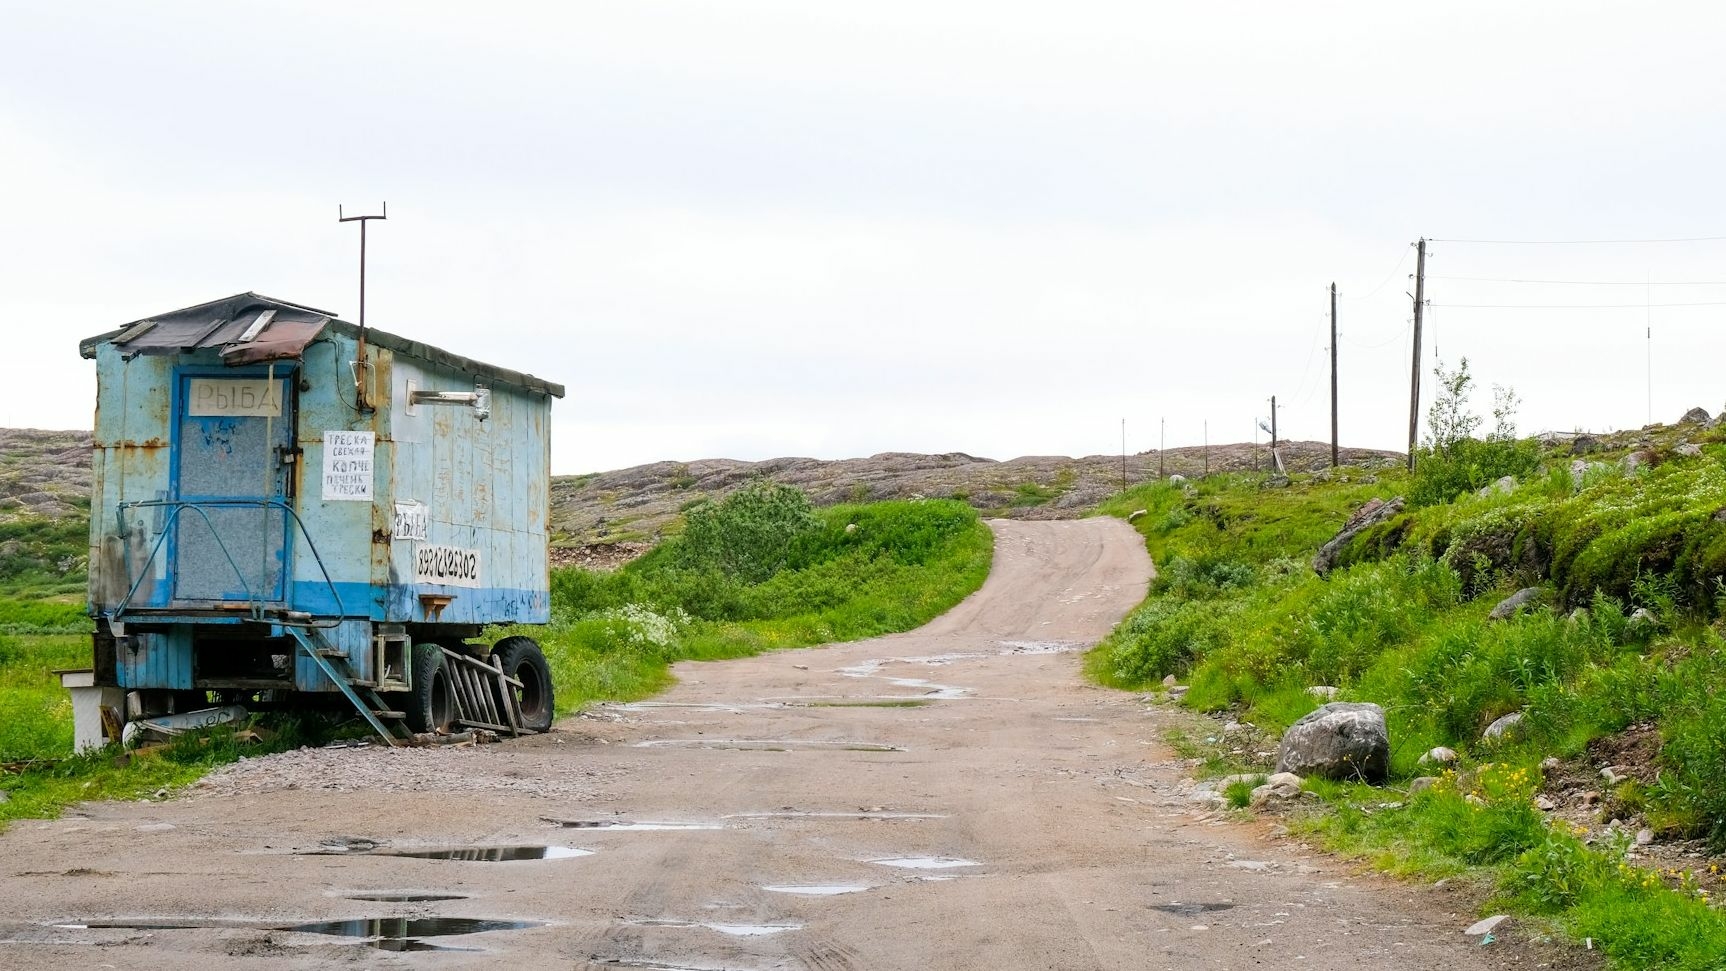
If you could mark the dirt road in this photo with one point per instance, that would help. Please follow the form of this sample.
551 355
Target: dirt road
952 798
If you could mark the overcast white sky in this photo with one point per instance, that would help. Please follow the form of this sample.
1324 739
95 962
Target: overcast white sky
750 229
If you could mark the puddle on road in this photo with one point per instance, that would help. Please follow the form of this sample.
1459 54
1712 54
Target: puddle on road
767 744
819 889
645 965
868 703
626 826
1191 909
491 854
410 933
384 933
1041 647
730 930
154 924
925 862
401 896
931 690
860 814
740 706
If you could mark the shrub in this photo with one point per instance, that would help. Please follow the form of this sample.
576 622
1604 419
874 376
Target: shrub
750 534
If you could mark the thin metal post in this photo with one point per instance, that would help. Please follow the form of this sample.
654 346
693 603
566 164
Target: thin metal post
361 364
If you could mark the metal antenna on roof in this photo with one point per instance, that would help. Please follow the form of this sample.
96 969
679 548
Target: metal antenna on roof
361 365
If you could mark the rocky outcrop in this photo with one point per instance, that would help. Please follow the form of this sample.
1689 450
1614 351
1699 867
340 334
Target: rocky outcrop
1341 740
1364 518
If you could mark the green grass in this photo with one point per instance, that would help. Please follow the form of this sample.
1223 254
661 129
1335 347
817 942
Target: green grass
42 556
1238 613
855 571
42 776
38 712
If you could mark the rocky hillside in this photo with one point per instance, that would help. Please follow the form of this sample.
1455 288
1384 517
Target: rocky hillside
637 504
47 473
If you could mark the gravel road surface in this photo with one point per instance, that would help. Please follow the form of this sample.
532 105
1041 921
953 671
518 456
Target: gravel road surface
956 797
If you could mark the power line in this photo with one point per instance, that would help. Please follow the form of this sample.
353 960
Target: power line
1399 335
1581 242
1590 283
1576 306
1387 278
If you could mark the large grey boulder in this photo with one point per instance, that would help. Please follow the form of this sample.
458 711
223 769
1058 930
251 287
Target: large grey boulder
1503 728
1695 416
1508 607
1367 516
1341 740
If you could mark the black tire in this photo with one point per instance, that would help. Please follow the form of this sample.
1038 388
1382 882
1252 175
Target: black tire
522 659
431 703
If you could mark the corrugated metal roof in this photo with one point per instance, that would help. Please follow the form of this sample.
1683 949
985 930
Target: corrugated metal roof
250 328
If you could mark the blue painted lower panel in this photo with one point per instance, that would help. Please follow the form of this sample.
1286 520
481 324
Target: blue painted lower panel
401 604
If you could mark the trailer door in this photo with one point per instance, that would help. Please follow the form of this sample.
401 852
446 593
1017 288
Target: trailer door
233 432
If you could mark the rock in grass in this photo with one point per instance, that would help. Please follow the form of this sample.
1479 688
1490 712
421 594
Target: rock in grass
1419 785
1439 755
1643 619
1341 740
1695 416
1169 681
1177 479
1137 515
1637 460
1481 928
1505 485
1279 788
1544 804
1371 514
1508 607
1323 692
1502 728
1688 449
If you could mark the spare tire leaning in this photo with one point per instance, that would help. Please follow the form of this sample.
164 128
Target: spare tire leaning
431 703
522 659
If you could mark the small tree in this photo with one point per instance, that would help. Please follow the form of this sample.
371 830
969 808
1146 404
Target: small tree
1449 421
1452 461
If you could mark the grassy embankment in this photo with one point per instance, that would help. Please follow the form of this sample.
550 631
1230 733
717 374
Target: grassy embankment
756 572
1239 614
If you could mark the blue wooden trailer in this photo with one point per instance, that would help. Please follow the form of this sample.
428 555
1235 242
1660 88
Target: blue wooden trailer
289 509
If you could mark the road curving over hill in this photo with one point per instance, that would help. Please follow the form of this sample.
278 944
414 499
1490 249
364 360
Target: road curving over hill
955 797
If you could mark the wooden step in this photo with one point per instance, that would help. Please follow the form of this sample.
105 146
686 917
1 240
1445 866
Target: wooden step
386 713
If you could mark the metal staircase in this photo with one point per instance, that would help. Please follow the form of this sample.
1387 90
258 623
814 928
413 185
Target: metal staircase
333 662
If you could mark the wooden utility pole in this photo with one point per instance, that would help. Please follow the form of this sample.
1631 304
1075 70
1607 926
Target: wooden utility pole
1273 431
1123 455
1333 449
1414 378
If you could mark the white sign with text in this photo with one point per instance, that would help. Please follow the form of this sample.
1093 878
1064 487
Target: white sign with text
348 466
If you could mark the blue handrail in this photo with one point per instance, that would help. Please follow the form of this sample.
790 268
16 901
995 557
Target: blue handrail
177 506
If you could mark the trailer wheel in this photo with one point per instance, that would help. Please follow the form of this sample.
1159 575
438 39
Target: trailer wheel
522 659
431 704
